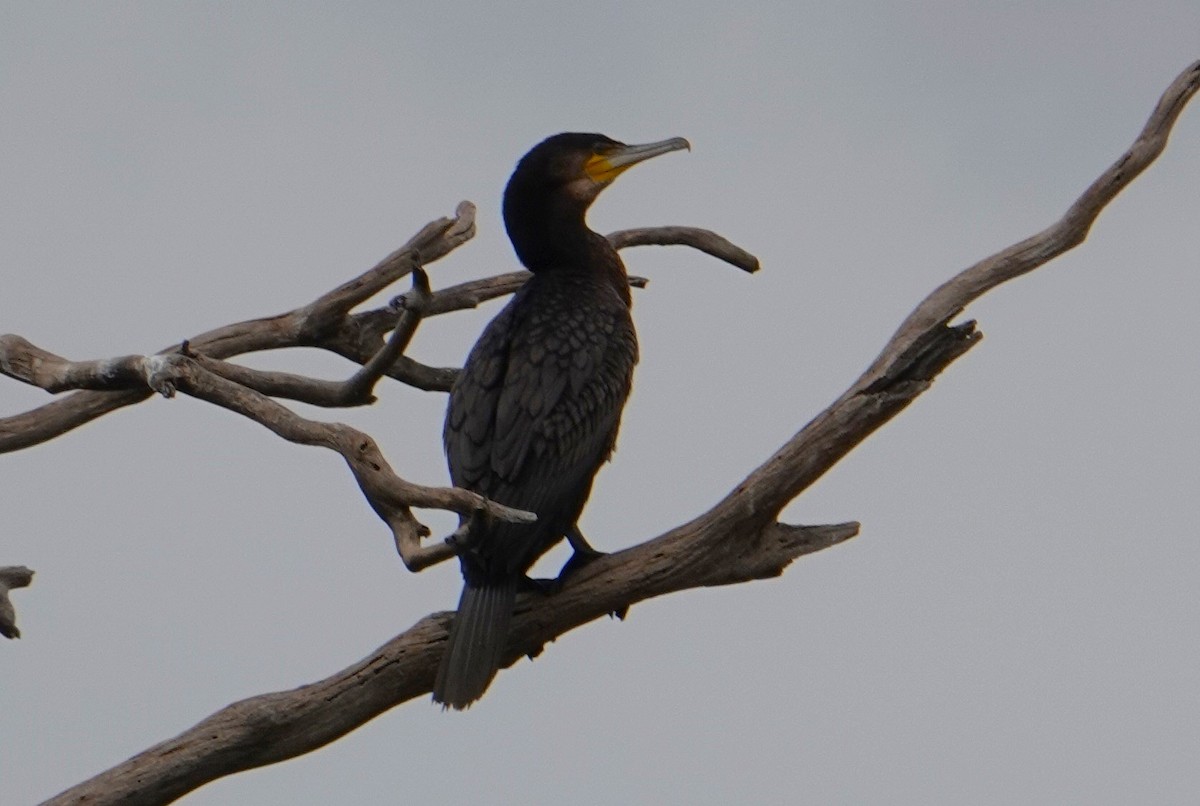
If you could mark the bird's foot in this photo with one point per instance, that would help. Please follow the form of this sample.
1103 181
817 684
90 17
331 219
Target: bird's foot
549 587
580 543
578 561
584 554
538 585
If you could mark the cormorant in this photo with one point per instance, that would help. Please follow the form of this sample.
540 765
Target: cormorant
535 410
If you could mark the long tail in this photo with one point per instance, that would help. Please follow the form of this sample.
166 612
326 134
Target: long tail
476 644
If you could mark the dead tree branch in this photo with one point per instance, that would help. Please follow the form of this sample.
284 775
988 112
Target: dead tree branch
708 242
309 325
358 389
737 540
327 323
11 576
390 496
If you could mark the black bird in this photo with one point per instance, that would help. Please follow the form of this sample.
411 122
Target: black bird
535 411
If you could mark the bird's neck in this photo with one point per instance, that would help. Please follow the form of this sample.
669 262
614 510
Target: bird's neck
554 238
548 235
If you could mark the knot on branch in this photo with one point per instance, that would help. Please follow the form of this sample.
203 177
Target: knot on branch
161 372
418 300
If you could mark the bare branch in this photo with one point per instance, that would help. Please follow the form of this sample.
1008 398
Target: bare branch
361 332
27 362
472 294
11 576
389 495
708 242
925 343
435 240
304 326
948 300
358 390
475 292
273 727
324 323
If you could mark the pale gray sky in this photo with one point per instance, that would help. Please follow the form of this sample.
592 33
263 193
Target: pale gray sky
1017 622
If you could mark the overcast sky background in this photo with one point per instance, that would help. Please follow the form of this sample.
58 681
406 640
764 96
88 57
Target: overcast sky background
1017 622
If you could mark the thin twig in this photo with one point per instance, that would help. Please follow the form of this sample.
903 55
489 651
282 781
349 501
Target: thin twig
705 240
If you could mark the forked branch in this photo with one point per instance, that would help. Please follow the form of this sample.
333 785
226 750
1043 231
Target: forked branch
326 323
313 324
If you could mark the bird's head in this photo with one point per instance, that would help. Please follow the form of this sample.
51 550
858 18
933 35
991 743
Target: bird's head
555 183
